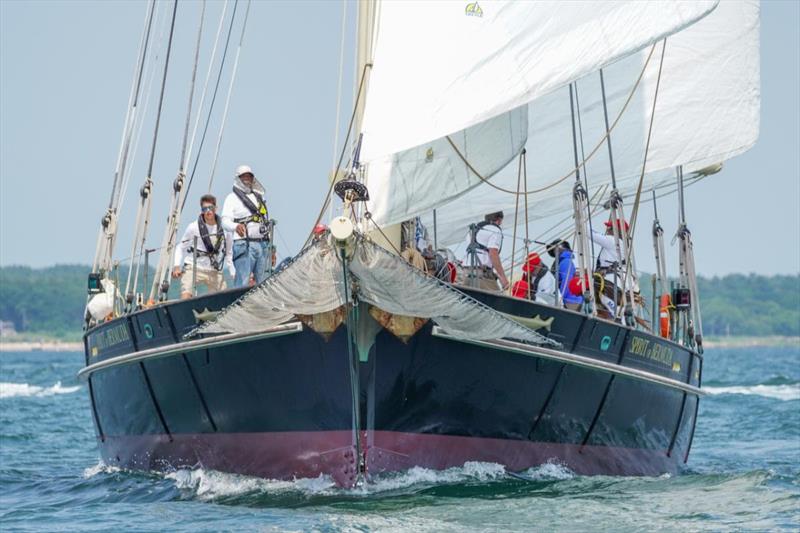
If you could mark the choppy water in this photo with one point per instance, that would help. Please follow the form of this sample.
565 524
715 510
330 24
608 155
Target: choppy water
744 472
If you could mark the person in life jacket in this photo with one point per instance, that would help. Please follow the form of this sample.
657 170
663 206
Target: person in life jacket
214 251
564 270
482 266
609 263
245 214
537 282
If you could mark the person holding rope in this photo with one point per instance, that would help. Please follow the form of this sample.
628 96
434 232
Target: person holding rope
244 213
482 266
214 251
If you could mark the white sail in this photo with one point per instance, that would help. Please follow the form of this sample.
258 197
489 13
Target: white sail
707 111
443 67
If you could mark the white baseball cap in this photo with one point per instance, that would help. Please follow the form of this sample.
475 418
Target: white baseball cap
243 169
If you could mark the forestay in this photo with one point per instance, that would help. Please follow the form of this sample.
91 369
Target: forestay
445 67
707 111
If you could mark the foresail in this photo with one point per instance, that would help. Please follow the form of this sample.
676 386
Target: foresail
707 111
443 67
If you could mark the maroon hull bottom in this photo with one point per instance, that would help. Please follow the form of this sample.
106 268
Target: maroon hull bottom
390 451
290 455
284 455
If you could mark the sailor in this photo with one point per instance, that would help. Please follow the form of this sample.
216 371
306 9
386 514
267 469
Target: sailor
537 282
482 263
244 213
608 261
564 270
214 246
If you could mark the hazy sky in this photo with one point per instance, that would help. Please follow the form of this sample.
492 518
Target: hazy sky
65 73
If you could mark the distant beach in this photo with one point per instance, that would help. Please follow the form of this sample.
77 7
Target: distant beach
40 346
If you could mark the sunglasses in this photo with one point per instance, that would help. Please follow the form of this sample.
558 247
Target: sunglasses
207 208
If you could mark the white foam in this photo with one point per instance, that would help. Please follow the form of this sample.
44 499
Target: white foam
211 484
781 392
16 390
99 468
549 471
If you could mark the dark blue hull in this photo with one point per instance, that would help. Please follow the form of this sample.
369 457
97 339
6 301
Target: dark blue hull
293 406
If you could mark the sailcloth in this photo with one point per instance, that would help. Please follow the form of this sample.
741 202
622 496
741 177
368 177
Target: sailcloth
446 68
707 111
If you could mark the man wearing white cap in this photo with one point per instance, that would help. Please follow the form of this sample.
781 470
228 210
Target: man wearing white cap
245 214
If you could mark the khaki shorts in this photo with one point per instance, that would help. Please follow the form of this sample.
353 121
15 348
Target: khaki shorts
483 279
212 279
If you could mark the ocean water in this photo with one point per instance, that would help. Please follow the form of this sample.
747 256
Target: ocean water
743 474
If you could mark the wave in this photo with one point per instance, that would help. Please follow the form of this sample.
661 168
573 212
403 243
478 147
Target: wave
786 392
16 390
213 485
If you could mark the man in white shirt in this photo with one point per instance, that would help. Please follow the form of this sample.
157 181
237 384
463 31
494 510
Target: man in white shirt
608 260
244 213
214 247
482 264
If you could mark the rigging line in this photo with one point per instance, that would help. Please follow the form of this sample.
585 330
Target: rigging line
205 84
608 131
587 158
516 222
211 105
562 224
341 156
585 172
339 86
338 96
163 88
525 181
162 270
635 210
182 162
629 260
148 180
228 98
133 98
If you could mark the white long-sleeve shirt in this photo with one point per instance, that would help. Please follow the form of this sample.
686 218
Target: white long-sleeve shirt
183 255
608 256
233 208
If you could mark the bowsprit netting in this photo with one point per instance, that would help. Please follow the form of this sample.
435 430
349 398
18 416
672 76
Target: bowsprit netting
314 283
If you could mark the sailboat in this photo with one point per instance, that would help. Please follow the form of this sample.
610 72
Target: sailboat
351 361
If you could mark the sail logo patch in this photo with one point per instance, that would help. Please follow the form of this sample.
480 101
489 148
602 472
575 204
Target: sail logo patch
473 10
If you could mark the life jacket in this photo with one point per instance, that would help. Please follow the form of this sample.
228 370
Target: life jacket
258 213
212 251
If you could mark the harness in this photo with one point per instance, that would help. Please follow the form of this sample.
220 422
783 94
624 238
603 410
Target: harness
258 213
212 251
534 286
475 245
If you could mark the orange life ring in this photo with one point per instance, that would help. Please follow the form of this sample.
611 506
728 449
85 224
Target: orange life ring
663 314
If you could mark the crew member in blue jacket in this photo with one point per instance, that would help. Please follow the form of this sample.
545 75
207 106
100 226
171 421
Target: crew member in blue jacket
564 270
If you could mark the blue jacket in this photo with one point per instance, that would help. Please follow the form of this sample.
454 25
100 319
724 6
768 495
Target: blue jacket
566 271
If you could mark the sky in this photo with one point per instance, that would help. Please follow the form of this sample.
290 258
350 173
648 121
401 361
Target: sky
65 76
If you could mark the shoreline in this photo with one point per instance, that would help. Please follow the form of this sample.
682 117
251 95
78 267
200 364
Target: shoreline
40 346
712 342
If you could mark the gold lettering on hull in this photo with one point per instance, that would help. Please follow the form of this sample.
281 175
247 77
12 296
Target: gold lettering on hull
108 338
653 351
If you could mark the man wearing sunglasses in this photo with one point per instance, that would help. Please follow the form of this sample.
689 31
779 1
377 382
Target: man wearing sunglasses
213 252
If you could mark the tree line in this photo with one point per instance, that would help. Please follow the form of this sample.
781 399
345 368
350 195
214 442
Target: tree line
50 302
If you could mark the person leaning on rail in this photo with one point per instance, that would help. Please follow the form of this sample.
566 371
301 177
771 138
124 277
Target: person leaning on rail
482 266
245 214
214 247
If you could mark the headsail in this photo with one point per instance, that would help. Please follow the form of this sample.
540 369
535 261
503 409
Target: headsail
707 111
471 62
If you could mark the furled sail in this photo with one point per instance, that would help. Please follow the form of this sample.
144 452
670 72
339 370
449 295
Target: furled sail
707 111
445 67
